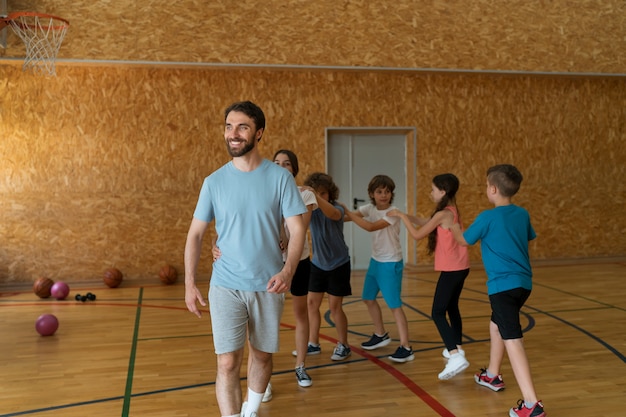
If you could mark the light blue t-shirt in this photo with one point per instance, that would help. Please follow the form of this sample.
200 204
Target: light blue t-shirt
329 247
504 233
248 208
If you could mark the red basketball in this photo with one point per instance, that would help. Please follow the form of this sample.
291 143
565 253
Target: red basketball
168 274
113 277
42 287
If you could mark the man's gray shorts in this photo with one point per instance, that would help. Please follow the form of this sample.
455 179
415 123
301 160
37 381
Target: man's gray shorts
234 311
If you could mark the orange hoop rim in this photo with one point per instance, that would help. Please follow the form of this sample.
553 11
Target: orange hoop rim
17 15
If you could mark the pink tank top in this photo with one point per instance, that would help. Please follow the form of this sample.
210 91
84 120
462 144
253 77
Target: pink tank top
449 255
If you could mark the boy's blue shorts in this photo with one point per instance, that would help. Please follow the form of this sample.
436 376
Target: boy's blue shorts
385 277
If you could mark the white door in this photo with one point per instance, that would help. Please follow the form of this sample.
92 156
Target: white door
353 159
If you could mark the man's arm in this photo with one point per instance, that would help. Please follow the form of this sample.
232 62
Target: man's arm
193 248
281 282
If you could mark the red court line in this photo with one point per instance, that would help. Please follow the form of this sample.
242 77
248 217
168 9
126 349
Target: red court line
393 371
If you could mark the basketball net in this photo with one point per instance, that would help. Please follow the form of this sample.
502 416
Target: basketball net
42 35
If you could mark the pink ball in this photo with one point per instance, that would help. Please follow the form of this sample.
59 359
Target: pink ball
60 290
47 324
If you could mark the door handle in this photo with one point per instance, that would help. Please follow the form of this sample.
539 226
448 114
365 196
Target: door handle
356 201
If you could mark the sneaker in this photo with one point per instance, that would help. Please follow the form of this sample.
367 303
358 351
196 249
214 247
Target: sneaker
446 353
522 411
304 380
494 383
376 342
341 352
267 395
310 350
402 354
243 410
456 364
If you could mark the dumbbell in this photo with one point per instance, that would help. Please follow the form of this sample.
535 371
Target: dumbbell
89 296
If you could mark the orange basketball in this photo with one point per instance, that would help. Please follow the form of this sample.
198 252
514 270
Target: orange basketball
113 277
42 287
168 274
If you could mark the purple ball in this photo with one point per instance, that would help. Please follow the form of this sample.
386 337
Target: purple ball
47 324
60 290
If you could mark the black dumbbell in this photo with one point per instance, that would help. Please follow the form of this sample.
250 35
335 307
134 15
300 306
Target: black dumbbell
83 298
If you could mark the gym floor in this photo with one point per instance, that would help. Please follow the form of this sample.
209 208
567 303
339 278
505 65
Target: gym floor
137 351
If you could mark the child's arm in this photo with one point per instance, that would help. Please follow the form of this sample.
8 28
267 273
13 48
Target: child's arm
458 234
443 216
420 221
357 217
328 209
346 210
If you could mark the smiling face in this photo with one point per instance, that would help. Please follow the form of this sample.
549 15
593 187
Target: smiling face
240 134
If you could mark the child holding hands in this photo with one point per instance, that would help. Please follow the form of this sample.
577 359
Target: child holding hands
504 233
384 273
452 260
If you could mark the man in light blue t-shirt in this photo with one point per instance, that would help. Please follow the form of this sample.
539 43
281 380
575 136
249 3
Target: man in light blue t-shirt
248 198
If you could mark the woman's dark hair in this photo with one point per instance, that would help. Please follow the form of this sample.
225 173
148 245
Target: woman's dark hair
319 180
450 184
293 159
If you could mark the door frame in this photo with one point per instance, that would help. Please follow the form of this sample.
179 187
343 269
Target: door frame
410 166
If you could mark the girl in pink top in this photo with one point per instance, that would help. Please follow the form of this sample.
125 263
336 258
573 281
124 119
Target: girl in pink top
452 260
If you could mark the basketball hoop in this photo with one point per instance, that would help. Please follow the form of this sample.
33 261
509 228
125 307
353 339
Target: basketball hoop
42 34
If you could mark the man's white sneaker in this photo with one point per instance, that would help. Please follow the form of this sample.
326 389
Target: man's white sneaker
267 395
243 410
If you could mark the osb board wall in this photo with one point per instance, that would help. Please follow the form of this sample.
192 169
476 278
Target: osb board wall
519 35
102 166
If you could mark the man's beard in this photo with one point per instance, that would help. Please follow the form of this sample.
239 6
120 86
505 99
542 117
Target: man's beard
241 151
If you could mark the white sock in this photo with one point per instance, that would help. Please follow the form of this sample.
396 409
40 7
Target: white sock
254 402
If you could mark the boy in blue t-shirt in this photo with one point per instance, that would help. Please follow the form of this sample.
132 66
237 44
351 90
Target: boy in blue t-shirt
504 233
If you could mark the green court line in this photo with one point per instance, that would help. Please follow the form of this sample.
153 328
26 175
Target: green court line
131 361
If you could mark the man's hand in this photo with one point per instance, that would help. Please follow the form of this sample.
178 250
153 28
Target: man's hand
193 295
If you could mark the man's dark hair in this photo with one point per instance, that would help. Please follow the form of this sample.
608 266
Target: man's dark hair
249 109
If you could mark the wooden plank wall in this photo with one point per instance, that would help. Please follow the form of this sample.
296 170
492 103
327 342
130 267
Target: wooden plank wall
517 35
101 165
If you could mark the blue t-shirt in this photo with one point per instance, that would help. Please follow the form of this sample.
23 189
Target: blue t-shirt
504 233
329 248
247 208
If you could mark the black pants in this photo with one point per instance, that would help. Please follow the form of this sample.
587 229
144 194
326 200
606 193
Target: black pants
446 300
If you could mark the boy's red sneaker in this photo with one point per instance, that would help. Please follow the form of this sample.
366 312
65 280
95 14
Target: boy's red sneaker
522 411
496 383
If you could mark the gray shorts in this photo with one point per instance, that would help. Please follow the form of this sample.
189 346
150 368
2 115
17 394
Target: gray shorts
234 311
